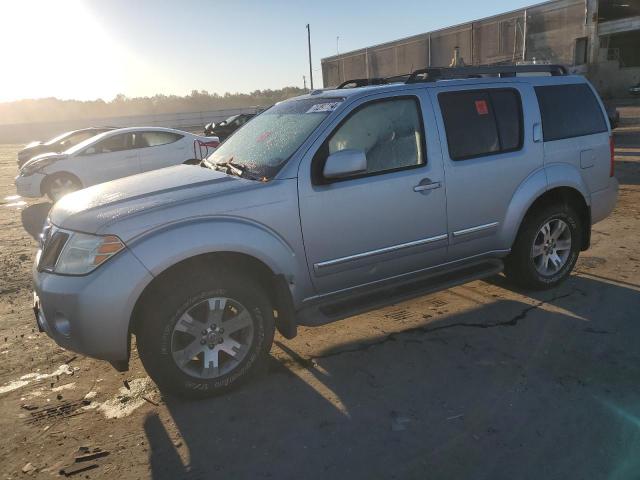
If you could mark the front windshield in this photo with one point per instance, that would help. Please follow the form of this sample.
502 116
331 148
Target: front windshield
85 143
57 139
262 146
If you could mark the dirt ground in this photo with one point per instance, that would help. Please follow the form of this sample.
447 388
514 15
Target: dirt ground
480 381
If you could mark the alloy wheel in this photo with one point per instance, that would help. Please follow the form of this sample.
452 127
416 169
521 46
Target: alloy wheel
212 337
60 186
551 247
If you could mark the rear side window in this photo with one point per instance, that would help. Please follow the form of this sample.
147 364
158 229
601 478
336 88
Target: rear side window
115 143
569 111
153 139
481 122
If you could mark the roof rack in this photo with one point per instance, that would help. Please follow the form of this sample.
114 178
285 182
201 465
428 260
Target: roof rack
433 74
362 82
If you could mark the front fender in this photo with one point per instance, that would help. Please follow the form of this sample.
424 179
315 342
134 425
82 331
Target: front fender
164 247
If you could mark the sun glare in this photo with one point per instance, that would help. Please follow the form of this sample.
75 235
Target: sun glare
57 49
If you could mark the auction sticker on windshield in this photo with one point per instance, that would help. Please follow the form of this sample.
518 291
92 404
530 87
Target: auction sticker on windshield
323 107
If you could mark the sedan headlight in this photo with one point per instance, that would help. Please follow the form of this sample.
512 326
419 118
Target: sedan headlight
74 253
30 168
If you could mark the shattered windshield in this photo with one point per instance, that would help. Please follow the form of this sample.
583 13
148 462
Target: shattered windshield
261 147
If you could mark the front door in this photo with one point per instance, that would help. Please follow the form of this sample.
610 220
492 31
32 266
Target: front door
388 221
113 157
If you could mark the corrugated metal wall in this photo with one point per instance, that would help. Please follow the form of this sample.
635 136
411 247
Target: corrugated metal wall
551 30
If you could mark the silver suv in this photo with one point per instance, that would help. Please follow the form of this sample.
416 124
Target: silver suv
323 206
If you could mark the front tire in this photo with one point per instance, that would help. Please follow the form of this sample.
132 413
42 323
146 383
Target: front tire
546 248
58 185
205 336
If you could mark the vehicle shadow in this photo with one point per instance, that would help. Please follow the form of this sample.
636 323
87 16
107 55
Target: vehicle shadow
506 389
628 171
33 218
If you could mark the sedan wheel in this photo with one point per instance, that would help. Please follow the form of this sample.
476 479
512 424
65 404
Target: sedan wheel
60 186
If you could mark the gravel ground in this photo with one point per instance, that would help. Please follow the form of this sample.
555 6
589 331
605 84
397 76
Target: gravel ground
479 381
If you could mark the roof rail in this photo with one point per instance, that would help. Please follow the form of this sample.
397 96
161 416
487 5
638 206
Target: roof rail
362 82
435 73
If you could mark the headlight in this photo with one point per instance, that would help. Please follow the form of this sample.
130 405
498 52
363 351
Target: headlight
30 168
80 254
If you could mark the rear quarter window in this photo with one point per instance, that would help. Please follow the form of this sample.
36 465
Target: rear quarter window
569 111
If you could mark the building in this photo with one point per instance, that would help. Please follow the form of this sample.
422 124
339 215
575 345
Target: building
598 38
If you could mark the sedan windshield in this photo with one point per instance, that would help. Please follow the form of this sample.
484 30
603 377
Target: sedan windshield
263 145
57 139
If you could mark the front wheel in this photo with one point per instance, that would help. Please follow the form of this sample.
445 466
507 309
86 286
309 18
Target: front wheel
204 338
58 185
546 248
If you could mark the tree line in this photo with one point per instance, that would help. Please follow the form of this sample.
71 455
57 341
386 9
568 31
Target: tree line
54 109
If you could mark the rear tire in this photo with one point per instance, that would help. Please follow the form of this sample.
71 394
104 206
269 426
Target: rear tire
546 248
58 185
182 340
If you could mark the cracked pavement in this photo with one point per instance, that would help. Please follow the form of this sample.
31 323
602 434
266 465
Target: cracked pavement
480 381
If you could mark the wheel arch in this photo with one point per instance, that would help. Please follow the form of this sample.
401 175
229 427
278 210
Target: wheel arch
568 196
561 183
62 173
275 285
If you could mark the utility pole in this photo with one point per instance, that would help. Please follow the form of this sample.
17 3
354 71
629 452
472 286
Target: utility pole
310 65
304 81
338 45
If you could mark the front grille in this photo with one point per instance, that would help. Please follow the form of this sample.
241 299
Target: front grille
53 243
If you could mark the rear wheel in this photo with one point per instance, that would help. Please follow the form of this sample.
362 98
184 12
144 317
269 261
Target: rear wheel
58 185
546 249
204 338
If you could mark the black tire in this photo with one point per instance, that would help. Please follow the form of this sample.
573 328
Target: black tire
175 297
520 267
192 161
50 182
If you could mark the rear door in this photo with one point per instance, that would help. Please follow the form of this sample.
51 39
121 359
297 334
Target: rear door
392 219
159 149
488 151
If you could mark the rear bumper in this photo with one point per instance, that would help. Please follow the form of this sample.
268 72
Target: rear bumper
604 201
29 186
90 314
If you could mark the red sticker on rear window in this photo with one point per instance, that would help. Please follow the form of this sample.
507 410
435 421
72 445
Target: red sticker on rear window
481 107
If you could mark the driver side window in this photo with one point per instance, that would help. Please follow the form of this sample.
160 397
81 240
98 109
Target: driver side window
115 143
389 132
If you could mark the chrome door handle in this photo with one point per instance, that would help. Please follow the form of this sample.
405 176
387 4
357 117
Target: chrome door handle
427 186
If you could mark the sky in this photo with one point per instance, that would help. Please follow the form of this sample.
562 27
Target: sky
89 49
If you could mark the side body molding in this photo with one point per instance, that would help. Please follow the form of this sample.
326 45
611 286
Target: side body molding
544 179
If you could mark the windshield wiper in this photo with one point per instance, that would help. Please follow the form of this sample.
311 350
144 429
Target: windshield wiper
229 167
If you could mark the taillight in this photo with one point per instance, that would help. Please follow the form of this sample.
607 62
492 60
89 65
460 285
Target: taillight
612 160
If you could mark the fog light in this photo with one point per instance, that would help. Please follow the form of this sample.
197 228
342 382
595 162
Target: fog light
62 325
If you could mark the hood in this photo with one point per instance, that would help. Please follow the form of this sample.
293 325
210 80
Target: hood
31 149
47 158
96 207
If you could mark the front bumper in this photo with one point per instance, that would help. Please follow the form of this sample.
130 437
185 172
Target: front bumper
604 201
90 314
29 186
